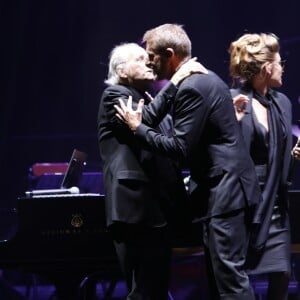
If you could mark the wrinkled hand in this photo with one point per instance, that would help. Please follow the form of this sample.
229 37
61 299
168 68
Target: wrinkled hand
240 102
296 150
125 113
188 68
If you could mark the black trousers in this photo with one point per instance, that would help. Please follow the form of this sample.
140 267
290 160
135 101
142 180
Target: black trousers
145 257
226 240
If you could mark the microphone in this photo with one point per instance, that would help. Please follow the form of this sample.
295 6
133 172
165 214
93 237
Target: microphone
72 190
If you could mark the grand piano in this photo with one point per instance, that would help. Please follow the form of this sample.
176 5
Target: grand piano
62 236
63 239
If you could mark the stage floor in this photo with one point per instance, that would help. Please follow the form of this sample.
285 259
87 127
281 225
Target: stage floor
188 282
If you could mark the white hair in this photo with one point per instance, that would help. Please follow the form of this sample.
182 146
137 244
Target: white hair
118 56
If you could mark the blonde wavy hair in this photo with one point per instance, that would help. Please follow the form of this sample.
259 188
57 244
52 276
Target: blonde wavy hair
250 53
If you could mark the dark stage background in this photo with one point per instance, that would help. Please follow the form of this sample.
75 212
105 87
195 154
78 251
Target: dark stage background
54 60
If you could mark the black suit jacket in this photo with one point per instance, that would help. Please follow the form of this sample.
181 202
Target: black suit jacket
207 137
140 187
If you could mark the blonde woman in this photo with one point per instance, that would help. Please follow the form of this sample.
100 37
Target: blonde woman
265 117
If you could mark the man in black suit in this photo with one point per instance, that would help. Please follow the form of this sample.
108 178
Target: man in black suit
223 186
141 188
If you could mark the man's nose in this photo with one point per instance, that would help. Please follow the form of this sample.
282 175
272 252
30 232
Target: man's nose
149 63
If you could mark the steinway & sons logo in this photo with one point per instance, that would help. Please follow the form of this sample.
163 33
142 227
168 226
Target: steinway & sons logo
77 220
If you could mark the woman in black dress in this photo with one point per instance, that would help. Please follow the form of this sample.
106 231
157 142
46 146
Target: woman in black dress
265 117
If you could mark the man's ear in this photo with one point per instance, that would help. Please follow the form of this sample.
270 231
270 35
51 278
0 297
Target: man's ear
169 52
121 73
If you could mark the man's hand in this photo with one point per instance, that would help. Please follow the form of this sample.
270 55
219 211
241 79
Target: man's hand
133 118
186 69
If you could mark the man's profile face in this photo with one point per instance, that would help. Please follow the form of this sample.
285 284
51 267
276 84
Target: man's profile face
137 72
157 62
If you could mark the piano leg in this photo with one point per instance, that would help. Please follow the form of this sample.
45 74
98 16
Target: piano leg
87 289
